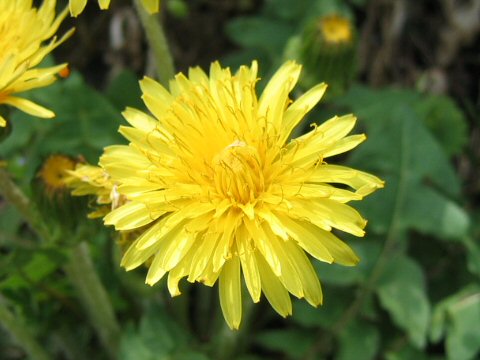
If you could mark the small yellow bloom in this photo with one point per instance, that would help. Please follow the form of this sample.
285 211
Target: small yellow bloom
53 173
336 29
23 31
77 6
220 191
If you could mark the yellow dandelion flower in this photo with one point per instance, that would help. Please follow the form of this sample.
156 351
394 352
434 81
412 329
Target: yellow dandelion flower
77 6
222 192
336 29
93 180
23 31
53 173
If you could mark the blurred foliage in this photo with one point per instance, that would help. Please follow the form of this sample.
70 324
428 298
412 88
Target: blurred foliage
415 294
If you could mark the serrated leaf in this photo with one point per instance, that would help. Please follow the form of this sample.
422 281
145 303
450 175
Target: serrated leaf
420 180
401 291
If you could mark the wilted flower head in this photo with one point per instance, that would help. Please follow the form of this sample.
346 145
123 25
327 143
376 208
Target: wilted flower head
77 6
219 190
93 180
23 33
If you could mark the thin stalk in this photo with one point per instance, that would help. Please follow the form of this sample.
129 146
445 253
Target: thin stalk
21 333
228 342
15 196
94 297
158 44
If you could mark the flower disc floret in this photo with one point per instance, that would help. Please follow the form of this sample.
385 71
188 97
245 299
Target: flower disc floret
220 191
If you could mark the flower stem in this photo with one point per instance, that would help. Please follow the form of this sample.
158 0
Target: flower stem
228 342
21 333
15 196
83 276
158 44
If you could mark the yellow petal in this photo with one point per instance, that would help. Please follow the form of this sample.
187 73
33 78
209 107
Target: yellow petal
129 216
230 293
104 4
273 289
302 106
360 181
29 107
249 266
264 244
152 6
76 6
305 272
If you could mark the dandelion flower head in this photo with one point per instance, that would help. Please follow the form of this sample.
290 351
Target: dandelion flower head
27 35
220 191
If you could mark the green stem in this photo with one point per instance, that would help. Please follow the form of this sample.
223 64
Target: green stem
158 44
15 196
94 297
21 333
228 342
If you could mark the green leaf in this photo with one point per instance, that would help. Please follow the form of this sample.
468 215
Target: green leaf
446 121
420 181
259 32
359 341
407 353
463 340
473 255
293 342
338 275
27 267
401 290
336 301
157 337
124 91
456 318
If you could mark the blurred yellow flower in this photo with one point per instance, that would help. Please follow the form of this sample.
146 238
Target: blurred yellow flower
53 173
336 29
221 191
77 6
23 31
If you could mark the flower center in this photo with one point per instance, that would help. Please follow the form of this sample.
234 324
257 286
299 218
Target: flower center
54 172
336 29
238 174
